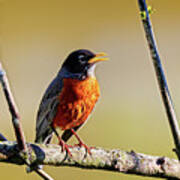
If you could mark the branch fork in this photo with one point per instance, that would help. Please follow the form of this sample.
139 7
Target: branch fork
20 138
21 152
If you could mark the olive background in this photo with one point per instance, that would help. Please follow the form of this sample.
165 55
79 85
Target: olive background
37 35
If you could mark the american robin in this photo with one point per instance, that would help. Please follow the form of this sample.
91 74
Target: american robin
69 99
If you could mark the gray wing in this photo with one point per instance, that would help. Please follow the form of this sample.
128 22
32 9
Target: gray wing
47 111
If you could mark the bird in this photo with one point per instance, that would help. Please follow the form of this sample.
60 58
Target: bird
69 99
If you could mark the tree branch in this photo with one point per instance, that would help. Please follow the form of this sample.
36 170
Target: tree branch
21 142
13 110
166 97
112 160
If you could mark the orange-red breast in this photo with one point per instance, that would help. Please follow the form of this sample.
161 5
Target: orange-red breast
70 98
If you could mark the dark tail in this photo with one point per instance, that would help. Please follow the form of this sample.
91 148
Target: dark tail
45 138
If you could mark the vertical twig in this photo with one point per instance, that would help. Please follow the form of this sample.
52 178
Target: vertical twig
20 138
160 75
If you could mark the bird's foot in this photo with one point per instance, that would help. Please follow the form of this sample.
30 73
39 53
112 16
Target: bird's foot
80 144
66 147
88 149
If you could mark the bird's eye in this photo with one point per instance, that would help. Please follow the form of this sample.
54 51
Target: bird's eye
82 57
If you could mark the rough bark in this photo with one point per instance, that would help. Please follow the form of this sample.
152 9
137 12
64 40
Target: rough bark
112 160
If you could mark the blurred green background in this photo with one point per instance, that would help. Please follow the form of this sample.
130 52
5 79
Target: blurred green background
37 35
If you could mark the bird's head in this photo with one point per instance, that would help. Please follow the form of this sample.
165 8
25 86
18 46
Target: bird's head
82 62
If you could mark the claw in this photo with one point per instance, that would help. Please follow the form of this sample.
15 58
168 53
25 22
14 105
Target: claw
65 147
80 144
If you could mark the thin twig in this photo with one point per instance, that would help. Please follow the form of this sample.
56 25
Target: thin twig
114 160
13 110
160 75
43 174
21 142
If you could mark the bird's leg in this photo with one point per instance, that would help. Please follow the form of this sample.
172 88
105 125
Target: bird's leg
64 146
80 141
62 143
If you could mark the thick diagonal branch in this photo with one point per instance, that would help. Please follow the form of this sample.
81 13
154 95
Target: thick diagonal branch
160 75
110 160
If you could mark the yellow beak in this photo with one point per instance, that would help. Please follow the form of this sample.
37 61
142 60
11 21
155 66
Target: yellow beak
98 57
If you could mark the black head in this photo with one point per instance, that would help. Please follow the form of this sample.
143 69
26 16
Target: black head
78 61
82 60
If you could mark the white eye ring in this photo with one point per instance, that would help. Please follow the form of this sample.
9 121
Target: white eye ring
81 57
